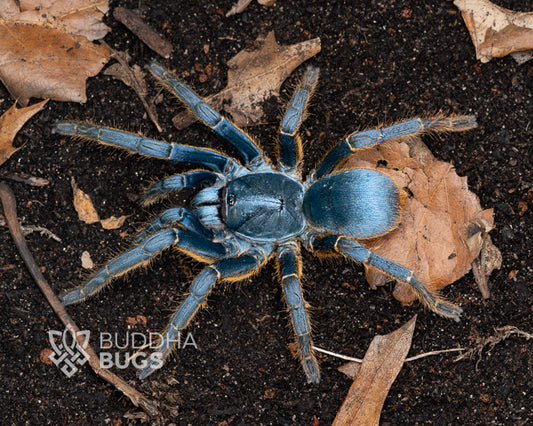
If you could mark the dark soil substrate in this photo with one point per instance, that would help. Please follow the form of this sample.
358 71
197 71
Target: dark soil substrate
381 61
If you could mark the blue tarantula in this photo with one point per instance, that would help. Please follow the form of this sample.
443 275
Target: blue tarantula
247 213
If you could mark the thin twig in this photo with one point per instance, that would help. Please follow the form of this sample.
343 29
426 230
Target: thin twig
425 354
413 358
141 29
26 230
10 212
28 180
347 358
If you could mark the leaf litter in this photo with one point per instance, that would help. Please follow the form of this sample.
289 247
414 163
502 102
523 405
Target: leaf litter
373 376
496 31
47 48
10 123
254 76
134 77
87 212
382 363
387 355
443 227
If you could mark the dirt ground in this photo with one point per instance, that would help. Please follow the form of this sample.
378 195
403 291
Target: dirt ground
381 61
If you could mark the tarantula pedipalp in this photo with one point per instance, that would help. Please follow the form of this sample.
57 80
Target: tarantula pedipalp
249 213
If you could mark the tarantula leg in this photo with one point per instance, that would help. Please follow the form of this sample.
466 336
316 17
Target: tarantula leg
178 182
290 143
138 144
252 155
175 216
142 254
358 140
290 271
361 254
224 270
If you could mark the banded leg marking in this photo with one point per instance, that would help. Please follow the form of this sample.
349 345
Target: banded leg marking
361 254
290 143
358 140
143 253
139 144
252 155
178 182
290 271
227 269
171 217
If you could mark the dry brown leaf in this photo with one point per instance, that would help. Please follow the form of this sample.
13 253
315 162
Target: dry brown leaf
10 123
489 259
443 225
83 205
496 31
113 222
88 214
382 363
81 17
511 39
350 369
134 78
45 47
254 76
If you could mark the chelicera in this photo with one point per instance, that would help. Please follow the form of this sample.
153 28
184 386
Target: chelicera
244 214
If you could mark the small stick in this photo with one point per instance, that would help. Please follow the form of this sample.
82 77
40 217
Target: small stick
345 357
443 351
29 180
137 26
26 230
413 358
10 212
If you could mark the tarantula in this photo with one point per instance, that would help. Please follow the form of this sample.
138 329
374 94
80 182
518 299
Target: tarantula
247 213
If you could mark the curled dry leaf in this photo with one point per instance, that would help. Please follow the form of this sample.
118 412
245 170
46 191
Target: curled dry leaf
382 363
496 31
254 76
443 225
83 205
489 259
46 48
10 123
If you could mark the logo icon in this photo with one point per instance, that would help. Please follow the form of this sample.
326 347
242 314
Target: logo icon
68 355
